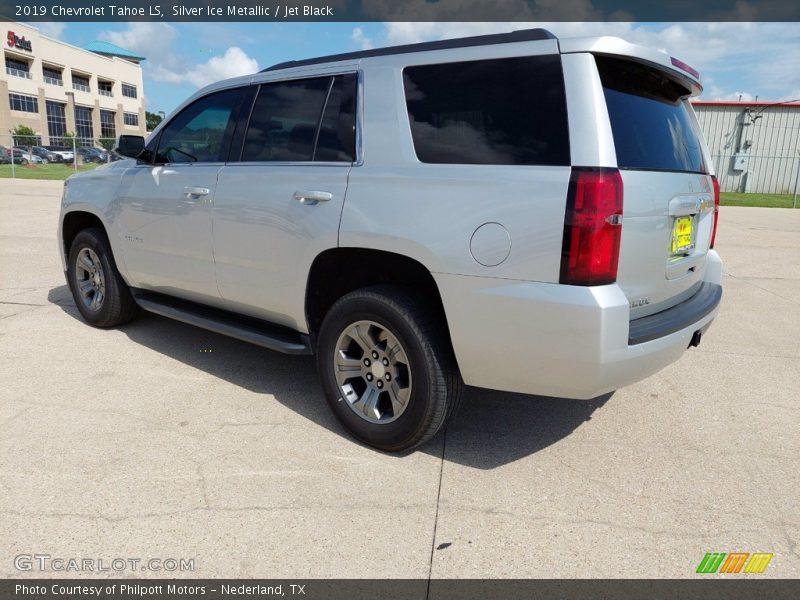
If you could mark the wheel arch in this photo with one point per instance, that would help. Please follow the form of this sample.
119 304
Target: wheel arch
338 271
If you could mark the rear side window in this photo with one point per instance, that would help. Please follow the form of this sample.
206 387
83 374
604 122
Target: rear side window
650 122
303 120
508 111
284 120
337 132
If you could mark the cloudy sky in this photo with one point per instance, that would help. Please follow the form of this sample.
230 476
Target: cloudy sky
734 59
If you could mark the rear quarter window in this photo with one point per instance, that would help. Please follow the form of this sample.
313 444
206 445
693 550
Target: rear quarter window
650 118
507 111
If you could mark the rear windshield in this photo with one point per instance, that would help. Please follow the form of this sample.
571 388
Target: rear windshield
508 111
650 122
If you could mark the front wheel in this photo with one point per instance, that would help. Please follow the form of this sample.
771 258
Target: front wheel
100 293
387 367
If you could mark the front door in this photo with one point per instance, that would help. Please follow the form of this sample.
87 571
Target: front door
165 206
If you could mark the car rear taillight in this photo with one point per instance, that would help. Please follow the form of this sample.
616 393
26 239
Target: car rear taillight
592 227
715 183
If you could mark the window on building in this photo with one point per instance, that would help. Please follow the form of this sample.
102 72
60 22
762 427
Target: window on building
83 126
128 90
200 132
56 122
131 119
52 76
24 103
80 83
18 68
107 127
509 111
106 88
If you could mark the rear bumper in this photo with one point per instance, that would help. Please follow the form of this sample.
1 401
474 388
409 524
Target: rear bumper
566 341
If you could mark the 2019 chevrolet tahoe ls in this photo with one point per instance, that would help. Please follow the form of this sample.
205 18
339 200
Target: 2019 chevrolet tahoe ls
513 211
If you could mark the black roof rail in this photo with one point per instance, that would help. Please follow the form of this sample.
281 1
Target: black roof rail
522 35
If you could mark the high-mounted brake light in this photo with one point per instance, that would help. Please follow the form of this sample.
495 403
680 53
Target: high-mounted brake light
592 227
684 67
715 183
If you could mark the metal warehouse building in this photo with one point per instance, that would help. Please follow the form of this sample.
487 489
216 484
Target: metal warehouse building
754 145
55 88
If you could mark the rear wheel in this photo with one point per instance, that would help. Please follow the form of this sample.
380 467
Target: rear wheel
100 293
387 367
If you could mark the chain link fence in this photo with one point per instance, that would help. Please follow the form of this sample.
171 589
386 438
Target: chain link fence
25 157
758 174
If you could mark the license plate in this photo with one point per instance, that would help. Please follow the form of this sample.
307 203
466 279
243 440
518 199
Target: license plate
683 235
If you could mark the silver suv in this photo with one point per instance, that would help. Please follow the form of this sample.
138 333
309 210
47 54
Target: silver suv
510 211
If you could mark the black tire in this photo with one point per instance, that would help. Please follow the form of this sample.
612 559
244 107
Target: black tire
23 161
117 306
45 161
423 335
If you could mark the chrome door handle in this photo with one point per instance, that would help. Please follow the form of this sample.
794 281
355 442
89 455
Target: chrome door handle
312 197
196 192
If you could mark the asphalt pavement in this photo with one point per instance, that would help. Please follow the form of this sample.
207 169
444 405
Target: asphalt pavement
161 440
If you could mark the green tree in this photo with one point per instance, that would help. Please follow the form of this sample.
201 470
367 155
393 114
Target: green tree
153 119
24 136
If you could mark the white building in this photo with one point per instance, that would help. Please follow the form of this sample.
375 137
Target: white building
754 145
56 88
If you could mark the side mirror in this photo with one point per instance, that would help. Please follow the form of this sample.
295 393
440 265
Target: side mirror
130 146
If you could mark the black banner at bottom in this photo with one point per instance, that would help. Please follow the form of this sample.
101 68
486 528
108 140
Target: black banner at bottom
400 589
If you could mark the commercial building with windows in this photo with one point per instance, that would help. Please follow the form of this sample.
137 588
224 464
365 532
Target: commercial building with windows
56 88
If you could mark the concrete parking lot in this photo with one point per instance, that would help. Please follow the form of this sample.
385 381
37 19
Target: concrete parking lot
162 440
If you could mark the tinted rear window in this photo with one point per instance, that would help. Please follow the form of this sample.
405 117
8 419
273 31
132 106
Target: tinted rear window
507 111
651 125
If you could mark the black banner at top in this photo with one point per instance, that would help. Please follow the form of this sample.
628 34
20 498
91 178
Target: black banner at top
399 10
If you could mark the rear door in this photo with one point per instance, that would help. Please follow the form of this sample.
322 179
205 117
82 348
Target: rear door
667 184
278 204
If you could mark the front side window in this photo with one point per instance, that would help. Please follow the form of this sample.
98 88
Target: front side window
509 111
200 132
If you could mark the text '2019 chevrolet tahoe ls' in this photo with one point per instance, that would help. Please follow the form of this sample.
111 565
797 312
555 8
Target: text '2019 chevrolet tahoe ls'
510 211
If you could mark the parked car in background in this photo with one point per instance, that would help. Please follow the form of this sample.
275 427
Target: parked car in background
18 154
65 153
26 157
47 156
93 155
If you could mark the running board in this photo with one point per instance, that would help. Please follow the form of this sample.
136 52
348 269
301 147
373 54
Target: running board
255 331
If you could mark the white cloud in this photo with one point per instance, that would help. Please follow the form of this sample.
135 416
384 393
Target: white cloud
52 29
155 40
233 63
762 57
362 40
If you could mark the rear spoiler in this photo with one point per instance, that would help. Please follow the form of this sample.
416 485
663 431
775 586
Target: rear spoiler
614 46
